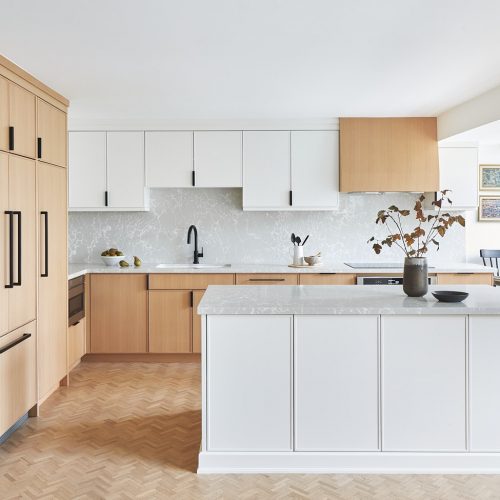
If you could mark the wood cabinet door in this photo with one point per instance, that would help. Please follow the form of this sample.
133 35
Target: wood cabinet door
423 383
169 159
266 170
125 169
4 243
465 279
170 321
327 279
53 277
87 169
119 309
22 116
336 383
52 134
4 114
315 169
17 375
22 198
217 158
197 296
76 343
267 279
249 383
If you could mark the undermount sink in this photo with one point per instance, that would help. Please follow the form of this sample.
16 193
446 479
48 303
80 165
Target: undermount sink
191 266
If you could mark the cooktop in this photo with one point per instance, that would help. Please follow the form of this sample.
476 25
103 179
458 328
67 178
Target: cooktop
376 265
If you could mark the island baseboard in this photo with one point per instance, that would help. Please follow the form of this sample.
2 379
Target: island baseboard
347 463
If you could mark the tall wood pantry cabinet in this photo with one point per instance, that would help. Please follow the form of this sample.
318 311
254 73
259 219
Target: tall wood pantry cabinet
33 247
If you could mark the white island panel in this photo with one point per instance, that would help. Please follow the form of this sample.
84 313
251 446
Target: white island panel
424 383
249 373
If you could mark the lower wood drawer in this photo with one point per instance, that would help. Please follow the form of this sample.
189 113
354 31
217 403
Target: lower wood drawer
17 374
328 279
267 279
76 343
465 279
188 281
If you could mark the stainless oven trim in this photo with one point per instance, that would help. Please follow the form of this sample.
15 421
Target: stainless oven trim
360 279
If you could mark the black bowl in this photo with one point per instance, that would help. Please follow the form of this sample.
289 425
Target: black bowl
450 295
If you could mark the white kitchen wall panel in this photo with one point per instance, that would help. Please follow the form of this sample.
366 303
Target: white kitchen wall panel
423 383
250 409
315 169
336 383
458 171
169 159
125 170
266 170
218 158
87 170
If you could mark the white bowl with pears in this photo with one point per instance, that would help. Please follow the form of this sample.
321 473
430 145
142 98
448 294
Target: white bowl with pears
112 257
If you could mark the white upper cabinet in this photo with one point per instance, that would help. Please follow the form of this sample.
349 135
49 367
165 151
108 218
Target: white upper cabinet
218 158
106 171
87 170
315 169
125 160
458 172
266 170
169 159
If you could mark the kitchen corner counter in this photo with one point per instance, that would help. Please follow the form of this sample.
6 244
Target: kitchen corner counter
75 270
349 299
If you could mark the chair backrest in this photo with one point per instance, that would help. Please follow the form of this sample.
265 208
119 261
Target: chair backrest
492 256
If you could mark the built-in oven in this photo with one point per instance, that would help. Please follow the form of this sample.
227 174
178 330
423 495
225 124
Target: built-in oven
387 280
76 300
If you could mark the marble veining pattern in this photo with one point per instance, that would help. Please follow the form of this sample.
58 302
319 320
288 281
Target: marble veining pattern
228 234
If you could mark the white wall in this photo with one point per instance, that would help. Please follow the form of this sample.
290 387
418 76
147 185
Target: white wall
482 234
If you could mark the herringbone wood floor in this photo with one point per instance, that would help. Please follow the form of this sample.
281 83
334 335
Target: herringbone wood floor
132 430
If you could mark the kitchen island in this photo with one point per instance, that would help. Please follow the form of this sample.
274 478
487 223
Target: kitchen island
349 379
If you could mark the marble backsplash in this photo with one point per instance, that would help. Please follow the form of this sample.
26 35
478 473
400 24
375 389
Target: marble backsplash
230 235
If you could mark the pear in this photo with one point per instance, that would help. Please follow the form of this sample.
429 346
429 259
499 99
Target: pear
124 263
137 261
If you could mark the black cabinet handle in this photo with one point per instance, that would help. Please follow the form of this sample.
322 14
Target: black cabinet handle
11 249
290 201
193 178
192 298
12 344
105 198
266 279
19 248
45 273
11 138
39 147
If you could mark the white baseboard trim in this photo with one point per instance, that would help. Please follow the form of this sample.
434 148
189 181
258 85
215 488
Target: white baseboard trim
348 463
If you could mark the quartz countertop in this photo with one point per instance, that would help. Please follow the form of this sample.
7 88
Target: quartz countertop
348 299
75 270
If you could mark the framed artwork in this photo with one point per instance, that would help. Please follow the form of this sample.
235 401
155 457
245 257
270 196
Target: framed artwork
489 177
489 208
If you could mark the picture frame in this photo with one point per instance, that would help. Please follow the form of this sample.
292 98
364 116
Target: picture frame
489 208
489 177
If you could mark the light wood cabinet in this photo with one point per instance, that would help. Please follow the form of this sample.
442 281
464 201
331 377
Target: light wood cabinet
388 154
197 296
51 134
53 278
119 313
22 201
17 374
465 279
4 114
170 321
267 279
22 119
188 281
4 244
327 279
76 343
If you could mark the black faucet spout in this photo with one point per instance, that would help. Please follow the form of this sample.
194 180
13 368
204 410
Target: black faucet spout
196 254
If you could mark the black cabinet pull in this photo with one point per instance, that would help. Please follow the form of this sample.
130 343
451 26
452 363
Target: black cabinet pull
12 344
11 249
105 198
266 279
19 248
11 138
290 201
193 178
39 147
192 298
45 273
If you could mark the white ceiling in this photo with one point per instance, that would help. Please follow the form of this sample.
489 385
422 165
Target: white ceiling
227 59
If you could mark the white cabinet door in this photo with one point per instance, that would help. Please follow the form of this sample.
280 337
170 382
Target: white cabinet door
169 159
125 161
484 383
266 170
423 383
458 172
315 169
217 158
87 169
336 383
249 383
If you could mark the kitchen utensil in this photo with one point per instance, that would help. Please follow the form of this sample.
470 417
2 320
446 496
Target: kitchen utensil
450 295
293 239
304 242
297 240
